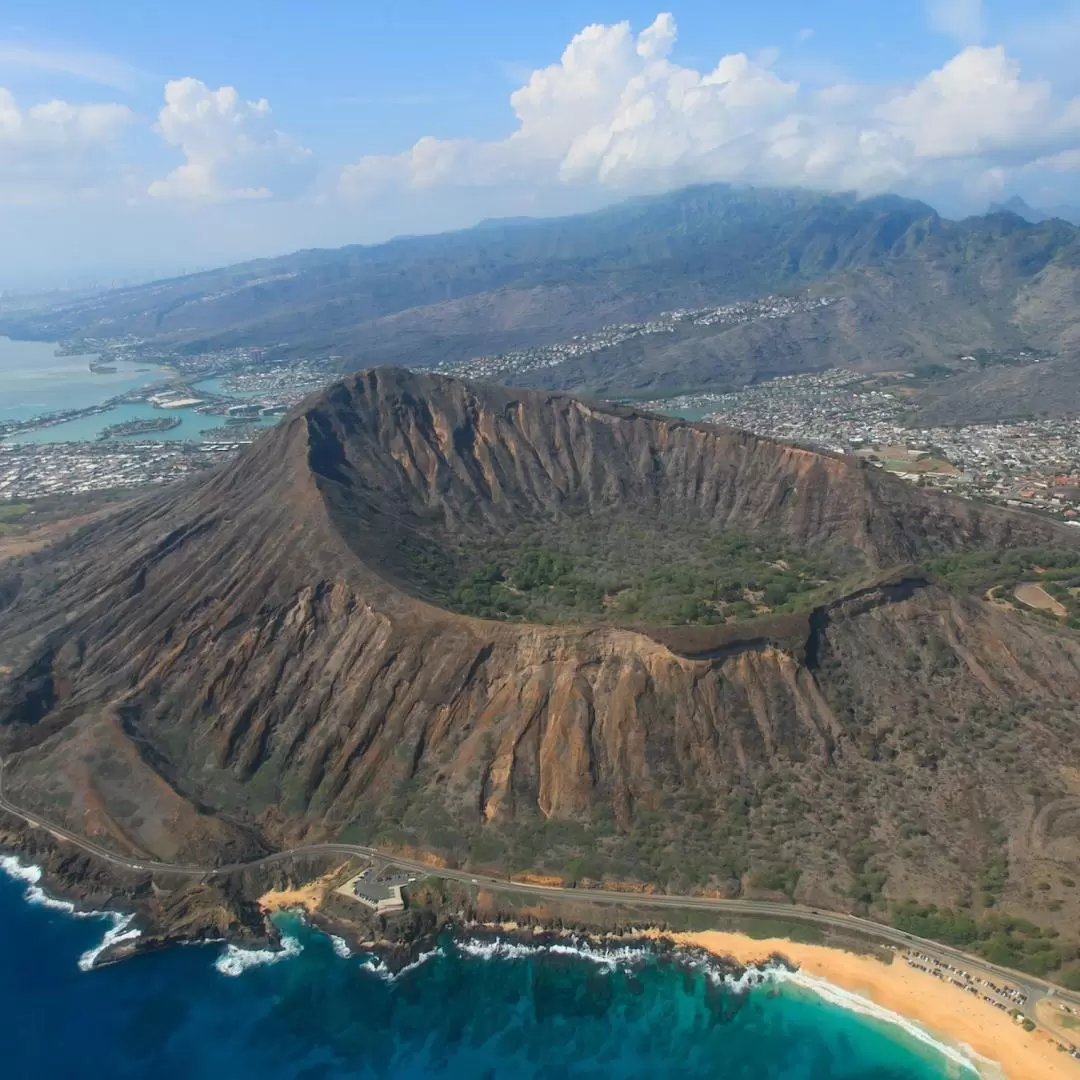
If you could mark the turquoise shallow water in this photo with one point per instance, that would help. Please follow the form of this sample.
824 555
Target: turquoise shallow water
88 428
469 1010
34 380
81 394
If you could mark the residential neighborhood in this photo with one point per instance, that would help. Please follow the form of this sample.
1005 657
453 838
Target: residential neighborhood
519 361
35 470
1034 464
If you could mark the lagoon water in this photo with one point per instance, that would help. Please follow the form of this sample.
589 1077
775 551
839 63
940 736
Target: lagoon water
88 428
469 1011
33 379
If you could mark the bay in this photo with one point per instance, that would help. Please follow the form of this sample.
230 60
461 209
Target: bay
35 380
88 428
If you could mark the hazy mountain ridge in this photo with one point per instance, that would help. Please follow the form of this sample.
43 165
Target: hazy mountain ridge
919 288
1016 205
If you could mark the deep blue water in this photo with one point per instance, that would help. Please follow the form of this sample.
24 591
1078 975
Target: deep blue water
317 1016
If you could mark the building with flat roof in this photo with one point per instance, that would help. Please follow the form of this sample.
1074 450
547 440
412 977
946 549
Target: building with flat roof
385 897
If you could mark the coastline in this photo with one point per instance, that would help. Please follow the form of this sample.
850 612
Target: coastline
951 1018
958 1018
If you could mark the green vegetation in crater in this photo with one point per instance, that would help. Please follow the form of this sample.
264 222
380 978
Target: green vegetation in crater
1000 572
600 569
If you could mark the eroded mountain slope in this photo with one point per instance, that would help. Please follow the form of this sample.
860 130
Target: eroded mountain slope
254 658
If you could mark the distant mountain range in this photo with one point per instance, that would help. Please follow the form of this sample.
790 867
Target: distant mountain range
914 288
1016 205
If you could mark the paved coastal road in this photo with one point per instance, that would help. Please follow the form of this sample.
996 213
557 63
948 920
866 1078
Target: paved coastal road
1035 988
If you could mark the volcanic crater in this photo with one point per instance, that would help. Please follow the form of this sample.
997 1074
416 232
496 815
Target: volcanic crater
520 630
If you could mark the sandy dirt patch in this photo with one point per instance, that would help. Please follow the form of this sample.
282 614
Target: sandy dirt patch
24 541
1035 596
309 896
1061 1021
992 596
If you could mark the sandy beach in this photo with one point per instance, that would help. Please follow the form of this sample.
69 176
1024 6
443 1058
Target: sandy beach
1001 1048
951 1014
309 896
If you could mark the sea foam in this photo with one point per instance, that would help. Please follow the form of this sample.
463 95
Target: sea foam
121 929
340 946
20 871
35 894
503 949
378 967
235 961
856 1003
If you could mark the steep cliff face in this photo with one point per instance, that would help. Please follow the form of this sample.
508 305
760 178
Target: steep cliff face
247 661
465 460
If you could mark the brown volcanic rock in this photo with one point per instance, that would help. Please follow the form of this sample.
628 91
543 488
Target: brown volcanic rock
477 458
248 660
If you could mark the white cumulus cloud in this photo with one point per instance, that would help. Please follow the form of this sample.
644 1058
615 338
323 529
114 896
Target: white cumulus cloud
616 112
977 104
231 147
54 148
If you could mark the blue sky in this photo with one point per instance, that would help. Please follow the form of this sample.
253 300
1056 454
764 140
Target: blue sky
139 139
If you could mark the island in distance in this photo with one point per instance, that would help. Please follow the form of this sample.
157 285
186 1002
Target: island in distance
518 631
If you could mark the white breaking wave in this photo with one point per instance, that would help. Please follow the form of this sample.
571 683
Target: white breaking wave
340 946
121 929
420 961
497 949
235 961
377 967
36 895
502 949
856 1003
747 979
20 871
118 933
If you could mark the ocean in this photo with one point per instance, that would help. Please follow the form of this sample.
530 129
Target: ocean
468 1009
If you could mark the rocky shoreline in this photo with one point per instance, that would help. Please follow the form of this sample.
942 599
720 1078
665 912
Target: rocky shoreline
151 912
167 909
156 911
